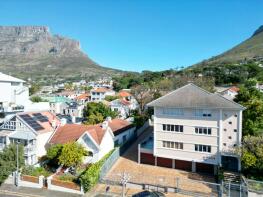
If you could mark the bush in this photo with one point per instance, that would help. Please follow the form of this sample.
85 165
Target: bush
67 177
35 171
91 176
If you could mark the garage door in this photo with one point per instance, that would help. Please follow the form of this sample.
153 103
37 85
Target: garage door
164 162
183 165
205 168
147 158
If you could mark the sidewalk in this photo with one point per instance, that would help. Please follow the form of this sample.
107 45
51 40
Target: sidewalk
9 190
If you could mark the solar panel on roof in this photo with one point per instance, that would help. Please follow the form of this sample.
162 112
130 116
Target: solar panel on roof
40 117
31 122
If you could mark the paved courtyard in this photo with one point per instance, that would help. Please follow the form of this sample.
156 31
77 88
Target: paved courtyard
147 174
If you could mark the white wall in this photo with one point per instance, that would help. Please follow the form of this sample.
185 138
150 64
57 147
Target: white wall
42 139
107 144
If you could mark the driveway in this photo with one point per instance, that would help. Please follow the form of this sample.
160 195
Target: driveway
148 174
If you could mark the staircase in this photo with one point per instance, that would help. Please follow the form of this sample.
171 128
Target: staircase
233 177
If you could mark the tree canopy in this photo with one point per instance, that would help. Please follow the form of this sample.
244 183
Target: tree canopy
97 112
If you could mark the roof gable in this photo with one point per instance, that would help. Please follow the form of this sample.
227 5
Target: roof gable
192 96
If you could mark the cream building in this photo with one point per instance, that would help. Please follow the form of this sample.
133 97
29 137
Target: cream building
194 130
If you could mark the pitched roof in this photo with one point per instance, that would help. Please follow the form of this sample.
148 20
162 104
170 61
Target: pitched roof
100 90
72 132
192 96
124 94
46 125
118 126
8 78
82 96
234 89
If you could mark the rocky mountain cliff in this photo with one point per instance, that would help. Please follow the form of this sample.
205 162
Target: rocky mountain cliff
32 51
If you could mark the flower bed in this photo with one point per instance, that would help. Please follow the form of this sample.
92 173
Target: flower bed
28 178
66 184
35 171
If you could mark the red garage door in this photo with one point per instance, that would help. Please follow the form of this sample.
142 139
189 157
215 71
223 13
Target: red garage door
205 168
183 165
164 162
147 158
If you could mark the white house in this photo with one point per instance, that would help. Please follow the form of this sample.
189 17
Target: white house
97 139
14 95
32 129
230 93
194 130
99 94
123 130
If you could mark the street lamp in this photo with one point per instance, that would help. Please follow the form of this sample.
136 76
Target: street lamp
17 164
125 177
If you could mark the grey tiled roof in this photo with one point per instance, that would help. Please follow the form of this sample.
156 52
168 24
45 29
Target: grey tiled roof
191 96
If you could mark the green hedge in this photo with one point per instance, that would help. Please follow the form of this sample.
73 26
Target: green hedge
91 176
35 171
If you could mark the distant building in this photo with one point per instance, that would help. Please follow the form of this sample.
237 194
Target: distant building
99 94
14 94
230 93
83 98
194 130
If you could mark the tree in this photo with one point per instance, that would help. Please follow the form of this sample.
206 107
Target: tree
34 88
54 152
97 112
8 159
72 154
252 156
252 99
37 99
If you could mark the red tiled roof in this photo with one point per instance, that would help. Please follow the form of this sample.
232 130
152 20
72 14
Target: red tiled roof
82 96
124 94
234 89
100 90
72 132
118 125
47 126
125 102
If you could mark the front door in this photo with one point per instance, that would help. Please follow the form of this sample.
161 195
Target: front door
230 163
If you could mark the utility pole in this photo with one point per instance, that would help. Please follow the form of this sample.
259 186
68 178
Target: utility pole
125 177
17 165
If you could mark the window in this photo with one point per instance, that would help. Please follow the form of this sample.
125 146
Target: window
124 138
202 113
203 130
229 137
224 144
235 130
176 128
235 115
230 122
173 145
173 111
202 148
224 129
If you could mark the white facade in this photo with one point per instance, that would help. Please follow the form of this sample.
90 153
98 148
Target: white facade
97 95
13 93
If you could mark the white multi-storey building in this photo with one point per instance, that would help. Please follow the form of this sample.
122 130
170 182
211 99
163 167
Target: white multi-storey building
194 130
99 94
14 95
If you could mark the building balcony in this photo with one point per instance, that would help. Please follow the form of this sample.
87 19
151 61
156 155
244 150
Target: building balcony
30 150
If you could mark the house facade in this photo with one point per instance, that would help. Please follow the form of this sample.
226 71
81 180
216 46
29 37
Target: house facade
32 130
99 94
97 139
195 130
15 95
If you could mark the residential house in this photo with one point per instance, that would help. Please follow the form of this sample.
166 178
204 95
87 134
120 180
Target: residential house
99 94
14 94
230 93
32 130
194 130
83 98
97 139
72 109
123 130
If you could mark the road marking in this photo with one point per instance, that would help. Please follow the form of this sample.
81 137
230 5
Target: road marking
18 194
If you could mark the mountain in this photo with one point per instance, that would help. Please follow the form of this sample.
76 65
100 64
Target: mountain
250 49
32 51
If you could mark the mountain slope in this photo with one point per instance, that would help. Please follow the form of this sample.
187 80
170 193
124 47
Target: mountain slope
251 48
31 51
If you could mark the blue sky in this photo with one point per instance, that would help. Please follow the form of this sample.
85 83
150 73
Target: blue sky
142 34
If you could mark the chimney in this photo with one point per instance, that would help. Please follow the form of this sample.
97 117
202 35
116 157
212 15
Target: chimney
54 124
73 119
105 125
63 121
108 119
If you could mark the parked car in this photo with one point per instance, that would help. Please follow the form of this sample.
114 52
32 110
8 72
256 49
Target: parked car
149 194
